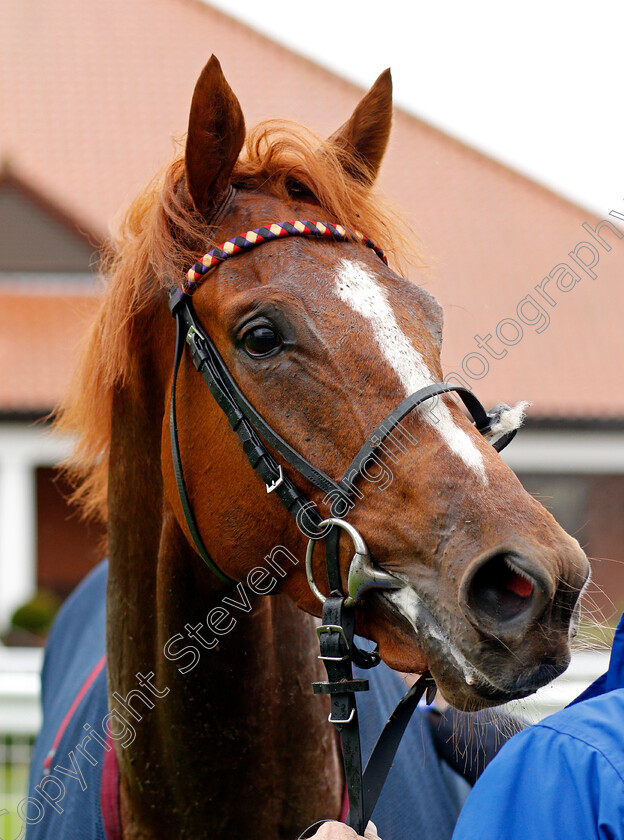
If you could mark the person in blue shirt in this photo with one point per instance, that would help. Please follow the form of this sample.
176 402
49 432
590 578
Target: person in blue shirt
563 777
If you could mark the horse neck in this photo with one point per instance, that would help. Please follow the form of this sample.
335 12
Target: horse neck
235 745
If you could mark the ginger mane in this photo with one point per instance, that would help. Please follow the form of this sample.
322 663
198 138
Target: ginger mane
161 235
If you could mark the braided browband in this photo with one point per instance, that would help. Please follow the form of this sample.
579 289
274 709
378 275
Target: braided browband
259 235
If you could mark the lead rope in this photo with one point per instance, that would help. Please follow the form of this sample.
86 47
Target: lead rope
338 652
336 643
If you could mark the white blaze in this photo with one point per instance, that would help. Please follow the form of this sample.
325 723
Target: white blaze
357 287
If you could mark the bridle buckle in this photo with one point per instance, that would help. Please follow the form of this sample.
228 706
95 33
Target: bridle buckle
278 481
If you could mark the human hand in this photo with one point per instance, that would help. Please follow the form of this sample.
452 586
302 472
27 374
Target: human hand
340 831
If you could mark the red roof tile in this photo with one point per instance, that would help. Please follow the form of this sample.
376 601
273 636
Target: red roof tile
39 334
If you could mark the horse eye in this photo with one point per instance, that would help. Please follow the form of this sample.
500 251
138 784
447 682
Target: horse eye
261 341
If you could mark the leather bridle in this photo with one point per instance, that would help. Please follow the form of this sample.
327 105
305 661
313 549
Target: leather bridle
338 650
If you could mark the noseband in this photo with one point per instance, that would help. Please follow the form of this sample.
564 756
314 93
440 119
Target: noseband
338 650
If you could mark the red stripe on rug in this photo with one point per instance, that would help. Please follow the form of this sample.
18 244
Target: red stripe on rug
57 739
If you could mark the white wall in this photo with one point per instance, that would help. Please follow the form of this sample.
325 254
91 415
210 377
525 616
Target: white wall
23 448
566 452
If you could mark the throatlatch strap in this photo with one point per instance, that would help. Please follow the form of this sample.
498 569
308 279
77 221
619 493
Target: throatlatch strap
177 464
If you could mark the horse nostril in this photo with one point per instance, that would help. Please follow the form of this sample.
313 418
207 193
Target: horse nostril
500 592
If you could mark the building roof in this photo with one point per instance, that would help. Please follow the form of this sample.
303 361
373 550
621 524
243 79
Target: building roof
39 334
93 93
36 235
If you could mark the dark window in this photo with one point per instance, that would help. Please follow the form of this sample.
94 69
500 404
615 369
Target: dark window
591 509
67 547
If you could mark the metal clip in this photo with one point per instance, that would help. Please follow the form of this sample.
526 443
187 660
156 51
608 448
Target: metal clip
278 481
346 720
195 341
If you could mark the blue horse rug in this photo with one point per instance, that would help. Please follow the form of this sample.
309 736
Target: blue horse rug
74 781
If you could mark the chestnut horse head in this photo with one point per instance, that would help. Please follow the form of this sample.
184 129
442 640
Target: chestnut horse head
325 340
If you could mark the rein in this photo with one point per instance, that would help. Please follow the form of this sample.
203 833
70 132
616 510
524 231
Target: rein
337 648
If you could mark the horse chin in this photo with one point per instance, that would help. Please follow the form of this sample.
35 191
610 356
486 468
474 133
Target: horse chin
403 654
418 643
481 691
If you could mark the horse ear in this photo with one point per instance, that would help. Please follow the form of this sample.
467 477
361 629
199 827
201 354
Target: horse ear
365 135
215 137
